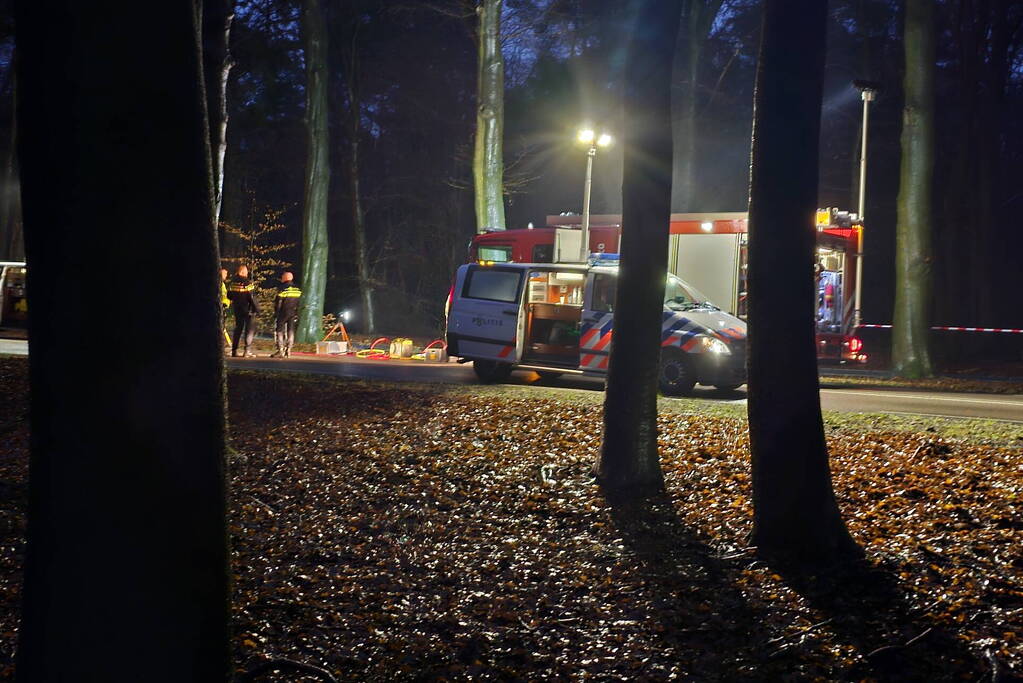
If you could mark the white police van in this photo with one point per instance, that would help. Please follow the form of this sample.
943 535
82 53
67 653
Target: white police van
557 318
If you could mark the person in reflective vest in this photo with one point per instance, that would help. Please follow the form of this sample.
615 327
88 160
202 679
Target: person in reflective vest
224 303
286 315
240 290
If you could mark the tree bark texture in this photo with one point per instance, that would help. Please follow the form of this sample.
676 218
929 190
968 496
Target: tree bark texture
488 156
317 175
11 246
628 463
126 574
363 273
796 517
218 16
911 321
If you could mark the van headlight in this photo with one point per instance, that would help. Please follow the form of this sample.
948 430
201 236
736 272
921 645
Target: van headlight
715 345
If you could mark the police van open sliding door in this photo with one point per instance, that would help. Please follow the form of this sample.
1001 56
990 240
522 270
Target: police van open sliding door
485 320
597 319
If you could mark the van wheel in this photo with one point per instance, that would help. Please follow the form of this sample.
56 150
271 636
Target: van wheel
676 376
490 371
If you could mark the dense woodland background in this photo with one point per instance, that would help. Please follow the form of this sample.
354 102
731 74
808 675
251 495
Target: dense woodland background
403 79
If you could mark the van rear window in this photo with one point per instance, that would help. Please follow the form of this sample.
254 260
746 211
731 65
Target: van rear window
492 284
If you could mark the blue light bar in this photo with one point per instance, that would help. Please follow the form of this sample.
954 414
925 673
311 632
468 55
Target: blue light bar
600 258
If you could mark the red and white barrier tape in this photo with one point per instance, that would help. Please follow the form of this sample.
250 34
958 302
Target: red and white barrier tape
949 328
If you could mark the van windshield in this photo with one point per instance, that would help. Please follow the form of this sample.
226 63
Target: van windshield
679 296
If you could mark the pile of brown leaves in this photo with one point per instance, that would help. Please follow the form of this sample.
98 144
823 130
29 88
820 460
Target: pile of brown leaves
386 533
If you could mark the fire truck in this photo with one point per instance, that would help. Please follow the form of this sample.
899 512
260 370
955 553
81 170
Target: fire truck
708 250
13 301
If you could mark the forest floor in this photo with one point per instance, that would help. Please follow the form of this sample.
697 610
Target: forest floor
399 532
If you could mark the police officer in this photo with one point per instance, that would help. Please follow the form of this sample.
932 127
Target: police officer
286 315
243 303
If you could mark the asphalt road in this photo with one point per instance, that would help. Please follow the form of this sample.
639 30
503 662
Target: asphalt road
991 406
873 400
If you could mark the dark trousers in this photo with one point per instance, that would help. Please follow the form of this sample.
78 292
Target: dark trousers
285 332
244 329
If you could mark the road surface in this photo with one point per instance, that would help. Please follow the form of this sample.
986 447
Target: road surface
991 406
873 400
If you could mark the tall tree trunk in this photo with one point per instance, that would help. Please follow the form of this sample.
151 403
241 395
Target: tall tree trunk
1000 66
217 63
685 145
796 517
695 25
16 236
362 267
8 191
317 175
126 573
488 157
969 246
628 461
955 236
911 322
992 106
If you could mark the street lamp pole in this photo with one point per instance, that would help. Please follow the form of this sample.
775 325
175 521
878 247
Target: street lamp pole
868 90
592 142
584 247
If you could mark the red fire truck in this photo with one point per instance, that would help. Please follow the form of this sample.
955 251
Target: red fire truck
709 251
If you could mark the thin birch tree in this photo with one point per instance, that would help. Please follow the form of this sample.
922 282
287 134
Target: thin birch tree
488 155
218 15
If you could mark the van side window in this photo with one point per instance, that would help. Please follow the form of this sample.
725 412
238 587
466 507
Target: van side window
492 285
496 254
604 287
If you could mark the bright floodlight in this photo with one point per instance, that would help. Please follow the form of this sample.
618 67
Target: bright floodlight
868 89
586 135
604 140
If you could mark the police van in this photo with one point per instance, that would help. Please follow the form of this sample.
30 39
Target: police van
557 318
